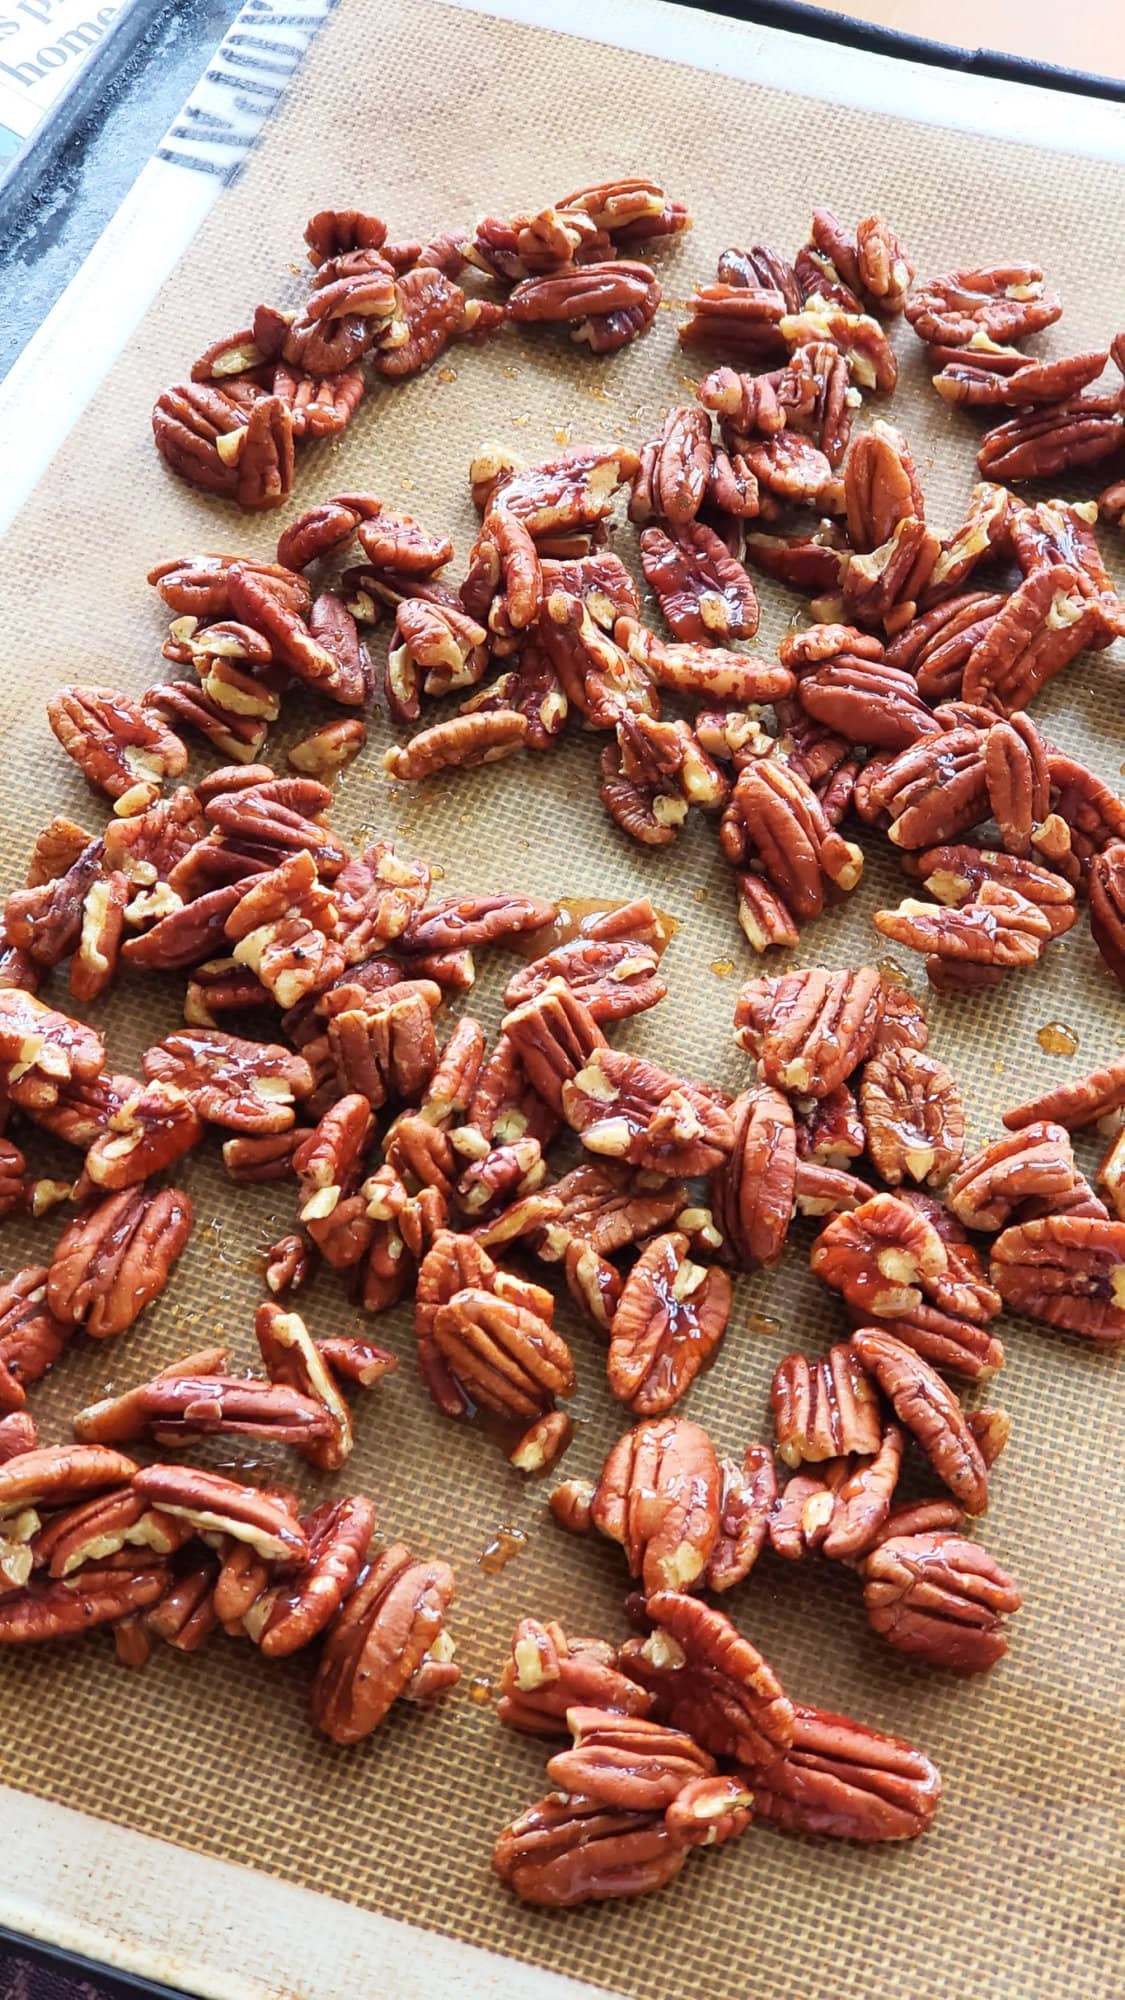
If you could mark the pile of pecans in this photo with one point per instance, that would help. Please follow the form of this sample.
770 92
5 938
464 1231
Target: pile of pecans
316 978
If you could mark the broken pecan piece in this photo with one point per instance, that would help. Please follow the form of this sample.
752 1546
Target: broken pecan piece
940 1599
846 1780
389 1630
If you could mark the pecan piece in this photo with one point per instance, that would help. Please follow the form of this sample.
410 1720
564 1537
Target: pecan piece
293 1613
703 591
669 1320
927 1408
671 480
554 1036
1083 1101
626 1762
1106 886
824 1408
940 1599
659 1496
1038 443
155 1126
547 1674
70 1606
955 874
746 1503
116 745
115 1258
809 1030
293 1361
706 1675
1067 1270
389 1632
607 305
563 1851
846 1780
282 928
629 1109
613 978
752 1192
997 930
913 1116
215 1505
242 1086
1035 1164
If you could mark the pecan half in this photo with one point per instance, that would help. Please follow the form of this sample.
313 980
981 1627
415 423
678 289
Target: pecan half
1106 886
1035 1164
1082 1101
503 1354
824 1408
955 874
744 318
607 304
979 308
670 482
752 1191
116 745
1038 443
547 1674
114 1259
846 1780
972 384
776 816
293 1361
703 591
387 1632
67 1607
242 1086
997 930
629 1109
708 1679
1067 1270
659 1496
626 1762
564 1851
927 1408
669 1320
887 1259
940 1599
613 978
155 1126
913 1116
809 1030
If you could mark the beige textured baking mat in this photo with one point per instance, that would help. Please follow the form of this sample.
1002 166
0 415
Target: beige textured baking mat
432 116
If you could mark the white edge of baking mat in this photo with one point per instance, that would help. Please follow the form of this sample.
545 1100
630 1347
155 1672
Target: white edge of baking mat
84 1885
55 377
224 1932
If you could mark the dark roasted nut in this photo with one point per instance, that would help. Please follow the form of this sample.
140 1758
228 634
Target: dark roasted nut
703 591
669 1320
626 1108
114 1259
825 1408
660 1496
809 1030
387 1634
913 1115
547 1674
1002 302
752 1191
1067 1270
240 1085
845 1779
941 1599
563 1851
708 1679
927 1408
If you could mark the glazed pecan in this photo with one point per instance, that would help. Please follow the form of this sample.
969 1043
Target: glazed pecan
613 978
940 1599
627 1108
293 1361
547 1674
759 265
929 1410
1106 887
1083 1101
955 875
630 210
116 745
985 531
913 1116
461 743
17 1435
608 1208
997 930
675 466
745 318
880 486
282 928
973 383
669 1320
236 442
60 1475
155 1126
287 1617
503 1354
1035 1164
213 1504
67 1607
325 530
386 1634
242 1086
382 1044
554 1035
329 1163
607 305
824 1408
775 815
1067 1270
1041 628
865 700
703 591
182 702
752 1192
1038 443
1001 302
931 792
707 1678
116 1257
809 1030
846 1780
659 1496
887 1259
564 1851
860 339
627 1762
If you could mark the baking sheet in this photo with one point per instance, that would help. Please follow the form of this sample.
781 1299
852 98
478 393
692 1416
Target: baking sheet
213 1752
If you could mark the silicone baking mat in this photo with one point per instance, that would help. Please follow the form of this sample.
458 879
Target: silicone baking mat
431 117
